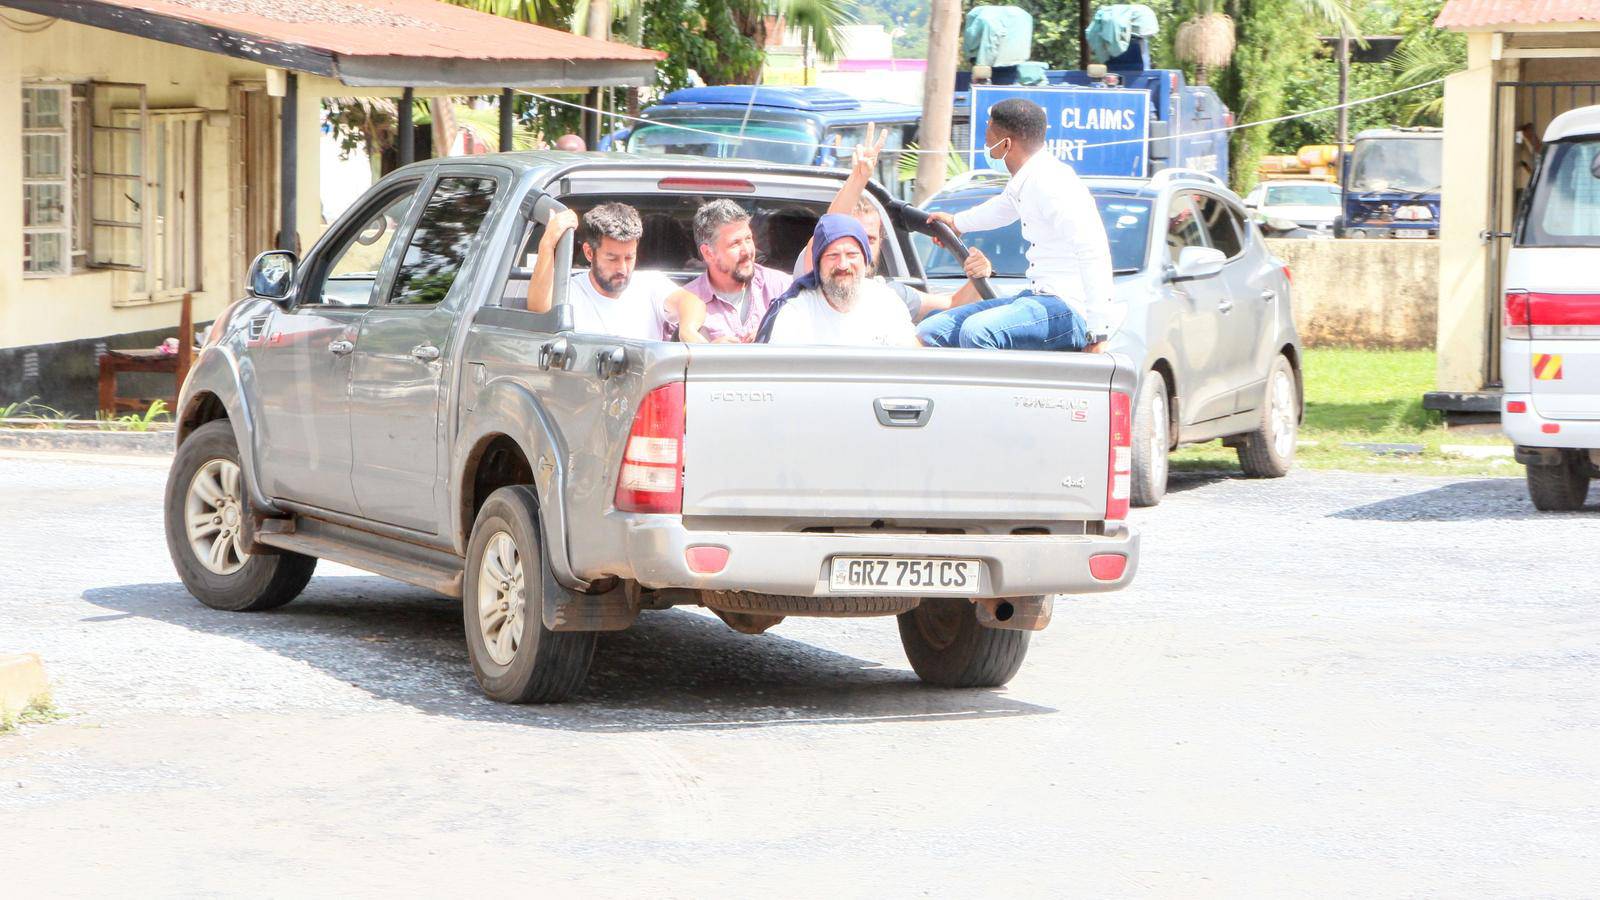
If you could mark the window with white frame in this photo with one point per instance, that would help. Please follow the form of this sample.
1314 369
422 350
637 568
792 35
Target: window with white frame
174 184
111 184
46 179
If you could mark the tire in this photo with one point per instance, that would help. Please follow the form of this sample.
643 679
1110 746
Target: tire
1268 452
1562 487
1152 438
206 480
784 605
947 647
526 662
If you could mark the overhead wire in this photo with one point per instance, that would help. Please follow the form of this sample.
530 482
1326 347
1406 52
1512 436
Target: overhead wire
764 140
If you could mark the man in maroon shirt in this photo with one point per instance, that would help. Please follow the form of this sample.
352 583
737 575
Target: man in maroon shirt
735 290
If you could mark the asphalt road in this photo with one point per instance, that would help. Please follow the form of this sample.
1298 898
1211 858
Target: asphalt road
1332 684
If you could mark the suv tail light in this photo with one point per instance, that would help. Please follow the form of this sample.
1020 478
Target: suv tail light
1119 475
651 478
1514 320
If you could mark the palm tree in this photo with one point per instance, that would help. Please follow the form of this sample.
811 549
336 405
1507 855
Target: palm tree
1205 41
1419 60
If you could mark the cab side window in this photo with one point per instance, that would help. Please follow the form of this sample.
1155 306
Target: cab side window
1183 227
352 268
455 212
1221 224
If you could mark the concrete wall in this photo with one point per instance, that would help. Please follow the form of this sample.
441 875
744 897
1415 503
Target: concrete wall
1371 293
101 302
1463 259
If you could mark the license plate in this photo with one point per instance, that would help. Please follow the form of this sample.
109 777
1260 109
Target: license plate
1410 234
898 575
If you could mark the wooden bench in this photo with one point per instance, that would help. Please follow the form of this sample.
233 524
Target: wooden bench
115 362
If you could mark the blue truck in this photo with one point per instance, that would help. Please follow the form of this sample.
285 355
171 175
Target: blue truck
797 125
1391 184
1185 120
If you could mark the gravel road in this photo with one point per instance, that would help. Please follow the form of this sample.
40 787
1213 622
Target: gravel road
1333 684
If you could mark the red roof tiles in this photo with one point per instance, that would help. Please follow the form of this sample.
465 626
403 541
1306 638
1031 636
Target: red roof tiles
1484 13
408 28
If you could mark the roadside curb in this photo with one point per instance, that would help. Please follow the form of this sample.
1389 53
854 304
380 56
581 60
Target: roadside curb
144 443
22 681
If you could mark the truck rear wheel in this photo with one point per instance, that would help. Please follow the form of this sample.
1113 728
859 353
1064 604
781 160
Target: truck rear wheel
947 646
1562 487
205 510
515 658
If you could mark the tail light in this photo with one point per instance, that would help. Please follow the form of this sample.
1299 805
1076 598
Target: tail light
1516 406
1288 276
1119 475
1562 309
651 478
1514 318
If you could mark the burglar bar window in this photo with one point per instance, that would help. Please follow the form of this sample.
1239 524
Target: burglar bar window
46 180
174 182
117 181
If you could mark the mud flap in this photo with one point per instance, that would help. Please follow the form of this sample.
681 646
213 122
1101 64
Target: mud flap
569 610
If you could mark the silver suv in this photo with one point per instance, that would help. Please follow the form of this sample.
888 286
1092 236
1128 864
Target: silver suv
1208 315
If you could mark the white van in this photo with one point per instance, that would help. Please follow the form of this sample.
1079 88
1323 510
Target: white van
1550 342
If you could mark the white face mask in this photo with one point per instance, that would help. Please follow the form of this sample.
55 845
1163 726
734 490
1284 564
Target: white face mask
997 163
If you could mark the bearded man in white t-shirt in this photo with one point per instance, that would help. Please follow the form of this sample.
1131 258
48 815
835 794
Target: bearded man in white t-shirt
837 303
610 297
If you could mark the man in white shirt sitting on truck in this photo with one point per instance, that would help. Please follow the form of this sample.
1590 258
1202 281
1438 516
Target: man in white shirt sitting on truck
611 297
1068 305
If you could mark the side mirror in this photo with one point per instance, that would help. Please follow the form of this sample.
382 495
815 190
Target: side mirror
1251 204
1198 262
272 276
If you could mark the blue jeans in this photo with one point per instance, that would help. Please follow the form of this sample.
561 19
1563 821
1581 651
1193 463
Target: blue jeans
1027 321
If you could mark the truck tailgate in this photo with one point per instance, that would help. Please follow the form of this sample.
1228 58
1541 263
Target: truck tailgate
817 433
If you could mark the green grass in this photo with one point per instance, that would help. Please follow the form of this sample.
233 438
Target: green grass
40 711
1368 396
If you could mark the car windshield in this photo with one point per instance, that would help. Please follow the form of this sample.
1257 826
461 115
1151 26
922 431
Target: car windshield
1412 165
1303 195
1127 221
779 142
1563 208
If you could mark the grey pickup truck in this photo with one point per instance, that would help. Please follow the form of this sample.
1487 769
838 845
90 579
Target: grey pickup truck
388 402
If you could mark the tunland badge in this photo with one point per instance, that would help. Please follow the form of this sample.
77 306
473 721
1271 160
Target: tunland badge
1076 407
741 396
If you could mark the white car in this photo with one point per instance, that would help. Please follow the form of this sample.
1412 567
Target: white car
1550 337
1297 208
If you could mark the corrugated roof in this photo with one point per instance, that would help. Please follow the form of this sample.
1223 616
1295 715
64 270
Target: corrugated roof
1485 13
391 28
367 41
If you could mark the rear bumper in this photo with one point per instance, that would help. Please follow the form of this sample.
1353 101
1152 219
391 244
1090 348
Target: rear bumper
797 564
1527 429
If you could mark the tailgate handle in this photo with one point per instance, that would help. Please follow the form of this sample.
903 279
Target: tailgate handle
903 412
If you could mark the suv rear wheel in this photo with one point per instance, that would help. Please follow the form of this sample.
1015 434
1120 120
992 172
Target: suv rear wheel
1268 452
206 509
515 658
1152 438
946 645
1562 487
